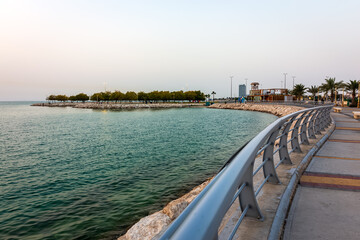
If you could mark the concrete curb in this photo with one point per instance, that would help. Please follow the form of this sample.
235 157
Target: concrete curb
285 202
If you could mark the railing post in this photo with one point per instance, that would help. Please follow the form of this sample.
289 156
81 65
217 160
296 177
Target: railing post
295 135
247 195
268 156
283 152
323 119
303 137
328 118
317 122
311 127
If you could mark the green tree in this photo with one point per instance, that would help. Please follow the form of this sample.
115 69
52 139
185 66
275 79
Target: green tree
179 95
96 97
117 96
142 96
131 96
199 96
105 96
61 98
331 85
82 97
299 90
72 98
352 86
154 96
165 96
313 90
190 95
51 98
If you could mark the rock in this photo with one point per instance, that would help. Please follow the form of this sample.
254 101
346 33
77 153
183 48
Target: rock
148 227
174 208
152 227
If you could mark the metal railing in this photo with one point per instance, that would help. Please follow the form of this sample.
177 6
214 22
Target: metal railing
202 218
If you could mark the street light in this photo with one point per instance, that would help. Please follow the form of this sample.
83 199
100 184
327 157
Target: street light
246 86
231 77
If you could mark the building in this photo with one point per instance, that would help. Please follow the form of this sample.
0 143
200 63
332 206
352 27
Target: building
242 90
270 94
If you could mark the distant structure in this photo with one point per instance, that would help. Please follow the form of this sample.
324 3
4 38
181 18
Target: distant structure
271 94
242 90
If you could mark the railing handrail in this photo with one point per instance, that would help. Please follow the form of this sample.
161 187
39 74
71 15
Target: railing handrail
201 219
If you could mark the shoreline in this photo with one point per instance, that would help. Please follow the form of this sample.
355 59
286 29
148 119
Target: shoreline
277 110
153 225
118 106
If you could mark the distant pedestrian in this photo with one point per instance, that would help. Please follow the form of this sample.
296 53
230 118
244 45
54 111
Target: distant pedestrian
322 100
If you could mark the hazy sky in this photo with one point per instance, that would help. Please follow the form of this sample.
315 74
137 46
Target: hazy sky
52 47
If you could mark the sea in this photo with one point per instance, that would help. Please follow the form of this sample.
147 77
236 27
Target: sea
69 173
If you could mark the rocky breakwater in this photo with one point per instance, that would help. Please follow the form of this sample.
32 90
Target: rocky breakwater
136 105
57 104
278 110
119 106
152 226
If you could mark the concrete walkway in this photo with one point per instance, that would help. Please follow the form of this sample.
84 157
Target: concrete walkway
327 201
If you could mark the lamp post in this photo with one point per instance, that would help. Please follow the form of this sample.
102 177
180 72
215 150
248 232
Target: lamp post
335 96
231 77
342 99
246 86
285 80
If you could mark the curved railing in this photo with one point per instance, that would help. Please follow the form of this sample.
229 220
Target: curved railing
202 218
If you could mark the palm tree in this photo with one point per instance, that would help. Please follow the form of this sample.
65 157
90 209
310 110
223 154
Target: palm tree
313 90
352 86
331 85
299 90
213 93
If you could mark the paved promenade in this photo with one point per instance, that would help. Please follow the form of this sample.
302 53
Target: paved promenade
327 201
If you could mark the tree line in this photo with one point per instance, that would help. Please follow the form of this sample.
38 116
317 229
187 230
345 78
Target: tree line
116 96
330 86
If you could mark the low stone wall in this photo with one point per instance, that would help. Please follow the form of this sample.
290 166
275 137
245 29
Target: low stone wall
278 110
119 106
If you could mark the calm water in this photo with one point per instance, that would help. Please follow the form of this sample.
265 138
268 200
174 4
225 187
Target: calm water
83 174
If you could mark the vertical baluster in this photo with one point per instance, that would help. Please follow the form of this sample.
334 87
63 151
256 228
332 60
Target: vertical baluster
283 152
247 196
295 134
269 167
303 135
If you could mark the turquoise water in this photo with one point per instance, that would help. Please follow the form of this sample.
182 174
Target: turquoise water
83 174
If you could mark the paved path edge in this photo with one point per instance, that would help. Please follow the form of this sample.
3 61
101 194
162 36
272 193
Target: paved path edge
285 202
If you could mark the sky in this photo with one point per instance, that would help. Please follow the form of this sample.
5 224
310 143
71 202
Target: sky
72 46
